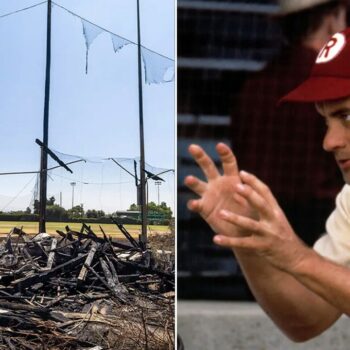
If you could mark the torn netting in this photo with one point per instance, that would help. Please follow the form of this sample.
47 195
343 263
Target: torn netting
158 68
118 42
91 32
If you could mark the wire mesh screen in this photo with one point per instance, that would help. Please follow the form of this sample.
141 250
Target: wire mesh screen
235 62
107 184
94 104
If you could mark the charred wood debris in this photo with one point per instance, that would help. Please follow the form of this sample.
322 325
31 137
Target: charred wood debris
78 290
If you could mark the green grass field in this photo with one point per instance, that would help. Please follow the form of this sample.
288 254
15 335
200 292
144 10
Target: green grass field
51 227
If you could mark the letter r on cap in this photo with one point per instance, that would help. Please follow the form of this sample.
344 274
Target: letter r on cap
325 51
331 49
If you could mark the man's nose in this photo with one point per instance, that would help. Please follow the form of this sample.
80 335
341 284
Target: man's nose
335 137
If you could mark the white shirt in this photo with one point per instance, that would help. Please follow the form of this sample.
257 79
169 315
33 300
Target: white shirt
335 244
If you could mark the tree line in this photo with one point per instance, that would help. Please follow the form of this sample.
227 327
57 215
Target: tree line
55 212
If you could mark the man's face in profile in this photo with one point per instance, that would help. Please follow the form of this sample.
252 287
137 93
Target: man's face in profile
337 138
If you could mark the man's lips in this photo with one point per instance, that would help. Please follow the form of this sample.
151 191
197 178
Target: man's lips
344 163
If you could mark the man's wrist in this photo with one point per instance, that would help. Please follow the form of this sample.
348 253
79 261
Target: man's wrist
305 264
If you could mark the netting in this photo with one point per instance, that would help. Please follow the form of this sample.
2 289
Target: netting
107 184
94 116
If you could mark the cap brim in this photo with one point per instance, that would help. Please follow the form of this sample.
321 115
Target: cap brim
293 7
316 89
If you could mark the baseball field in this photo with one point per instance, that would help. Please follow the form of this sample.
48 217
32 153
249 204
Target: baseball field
51 227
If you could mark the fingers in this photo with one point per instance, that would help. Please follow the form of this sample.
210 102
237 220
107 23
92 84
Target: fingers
242 202
262 189
235 242
196 185
204 161
243 222
194 205
228 159
255 200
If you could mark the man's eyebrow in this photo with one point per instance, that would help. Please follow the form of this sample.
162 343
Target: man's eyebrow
340 111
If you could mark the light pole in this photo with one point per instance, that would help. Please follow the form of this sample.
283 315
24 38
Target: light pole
73 185
158 183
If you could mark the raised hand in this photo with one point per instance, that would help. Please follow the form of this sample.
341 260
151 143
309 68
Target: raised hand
271 236
218 193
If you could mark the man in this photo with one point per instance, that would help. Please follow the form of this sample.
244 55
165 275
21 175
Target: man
303 290
307 26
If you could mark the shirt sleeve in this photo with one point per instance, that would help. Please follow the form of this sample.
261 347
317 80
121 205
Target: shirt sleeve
335 244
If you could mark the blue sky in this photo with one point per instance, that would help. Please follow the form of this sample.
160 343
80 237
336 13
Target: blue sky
93 115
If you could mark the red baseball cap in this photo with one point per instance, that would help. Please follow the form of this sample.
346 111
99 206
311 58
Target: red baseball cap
330 76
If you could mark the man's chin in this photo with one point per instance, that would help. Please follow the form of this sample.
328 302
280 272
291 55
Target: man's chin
346 177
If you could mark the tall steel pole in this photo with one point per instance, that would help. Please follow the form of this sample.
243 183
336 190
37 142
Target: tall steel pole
158 183
43 163
143 238
73 184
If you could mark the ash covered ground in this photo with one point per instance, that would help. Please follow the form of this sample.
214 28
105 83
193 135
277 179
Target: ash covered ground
82 291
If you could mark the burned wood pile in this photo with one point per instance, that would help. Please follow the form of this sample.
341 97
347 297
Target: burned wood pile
78 290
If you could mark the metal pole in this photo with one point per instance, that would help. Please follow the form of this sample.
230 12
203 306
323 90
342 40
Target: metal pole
158 183
43 162
138 186
73 184
143 238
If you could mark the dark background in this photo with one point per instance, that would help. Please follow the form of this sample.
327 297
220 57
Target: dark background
220 43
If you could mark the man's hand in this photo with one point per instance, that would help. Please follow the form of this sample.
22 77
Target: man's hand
279 268
218 193
271 236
